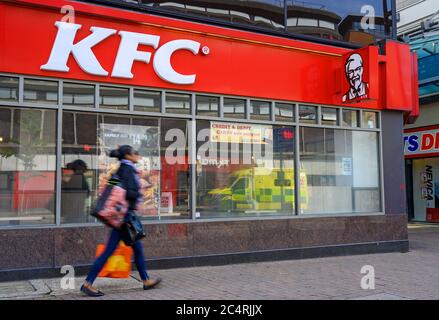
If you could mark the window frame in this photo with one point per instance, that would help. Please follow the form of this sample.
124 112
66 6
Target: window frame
192 117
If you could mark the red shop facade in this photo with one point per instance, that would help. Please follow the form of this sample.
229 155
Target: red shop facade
253 146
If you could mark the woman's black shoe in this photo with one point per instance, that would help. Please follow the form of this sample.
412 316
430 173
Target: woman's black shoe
91 293
152 284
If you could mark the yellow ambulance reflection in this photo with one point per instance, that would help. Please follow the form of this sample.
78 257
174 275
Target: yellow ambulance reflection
261 189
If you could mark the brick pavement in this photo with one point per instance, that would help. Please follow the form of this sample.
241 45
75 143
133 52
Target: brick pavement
411 275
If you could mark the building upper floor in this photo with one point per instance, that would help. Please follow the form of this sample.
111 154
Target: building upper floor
412 14
418 25
343 22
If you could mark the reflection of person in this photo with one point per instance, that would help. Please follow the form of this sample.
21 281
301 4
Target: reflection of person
354 73
128 175
147 203
75 190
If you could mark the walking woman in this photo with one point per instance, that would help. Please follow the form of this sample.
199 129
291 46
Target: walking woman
127 173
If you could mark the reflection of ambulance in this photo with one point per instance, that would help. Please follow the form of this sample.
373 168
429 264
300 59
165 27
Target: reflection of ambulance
260 189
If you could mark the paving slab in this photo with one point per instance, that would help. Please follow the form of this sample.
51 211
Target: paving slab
108 285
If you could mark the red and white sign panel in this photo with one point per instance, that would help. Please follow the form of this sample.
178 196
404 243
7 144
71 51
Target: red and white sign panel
421 142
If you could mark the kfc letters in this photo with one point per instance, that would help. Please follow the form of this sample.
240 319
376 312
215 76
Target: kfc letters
126 55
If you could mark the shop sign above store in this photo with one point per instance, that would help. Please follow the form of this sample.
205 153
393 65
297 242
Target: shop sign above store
122 47
421 142
82 52
361 75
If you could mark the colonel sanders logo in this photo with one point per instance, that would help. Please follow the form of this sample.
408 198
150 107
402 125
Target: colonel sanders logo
354 73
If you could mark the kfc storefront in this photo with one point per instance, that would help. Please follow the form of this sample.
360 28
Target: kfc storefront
253 146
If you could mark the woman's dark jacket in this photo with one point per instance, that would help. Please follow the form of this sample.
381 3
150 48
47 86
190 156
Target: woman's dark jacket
127 176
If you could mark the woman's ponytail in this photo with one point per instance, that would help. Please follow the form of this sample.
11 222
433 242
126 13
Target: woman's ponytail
121 152
115 153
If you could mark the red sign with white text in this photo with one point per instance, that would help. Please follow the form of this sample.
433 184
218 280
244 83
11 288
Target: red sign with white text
421 142
117 46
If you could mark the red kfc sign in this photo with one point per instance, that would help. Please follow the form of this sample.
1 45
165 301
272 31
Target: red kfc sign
108 45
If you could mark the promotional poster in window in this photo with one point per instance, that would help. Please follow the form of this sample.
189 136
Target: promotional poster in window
145 140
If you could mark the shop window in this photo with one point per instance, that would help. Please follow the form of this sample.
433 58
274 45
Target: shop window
86 127
207 106
329 116
27 166
113 119
113 98
148 101
6 116
41 91
370 120
86 165
308 114
340 171
260 110
68 132
178 103
78 95
234 108
175 174
350 118
49 131
80 166
284 112
8 88
244 169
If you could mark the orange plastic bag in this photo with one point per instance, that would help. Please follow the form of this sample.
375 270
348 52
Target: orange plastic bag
119 264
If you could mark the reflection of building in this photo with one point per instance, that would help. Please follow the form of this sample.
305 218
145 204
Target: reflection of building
308 19
352 31
257 13
419 26
299 169
321 19
27 145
